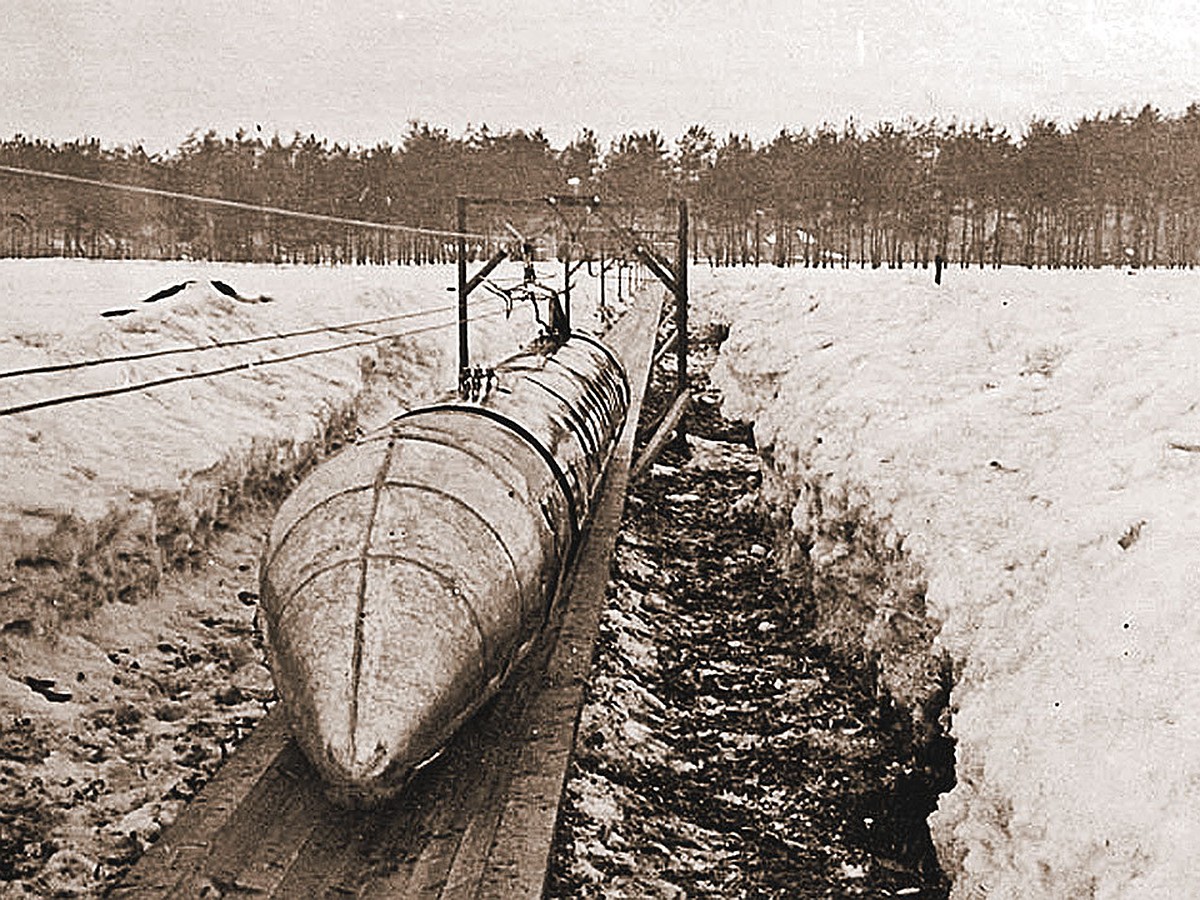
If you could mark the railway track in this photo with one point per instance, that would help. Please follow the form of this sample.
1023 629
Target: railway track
478 822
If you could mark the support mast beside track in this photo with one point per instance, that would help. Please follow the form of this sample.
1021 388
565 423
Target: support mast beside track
681 302
464 359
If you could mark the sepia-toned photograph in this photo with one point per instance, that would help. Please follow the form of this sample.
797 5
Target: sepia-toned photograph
633 450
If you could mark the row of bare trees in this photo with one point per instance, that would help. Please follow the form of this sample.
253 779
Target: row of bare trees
1116 189
1110 189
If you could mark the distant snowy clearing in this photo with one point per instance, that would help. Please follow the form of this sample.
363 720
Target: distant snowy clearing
1016 454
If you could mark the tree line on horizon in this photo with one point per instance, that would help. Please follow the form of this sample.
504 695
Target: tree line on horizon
1111 189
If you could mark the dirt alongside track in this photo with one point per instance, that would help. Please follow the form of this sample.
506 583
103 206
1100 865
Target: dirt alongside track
723 753
114 725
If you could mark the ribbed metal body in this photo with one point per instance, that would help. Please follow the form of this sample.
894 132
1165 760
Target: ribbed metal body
407 574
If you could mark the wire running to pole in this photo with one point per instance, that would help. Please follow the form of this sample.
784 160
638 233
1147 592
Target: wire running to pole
217 345
225 370
238 204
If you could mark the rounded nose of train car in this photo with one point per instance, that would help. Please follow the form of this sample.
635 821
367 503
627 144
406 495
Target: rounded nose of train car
402 579
374 682
406 575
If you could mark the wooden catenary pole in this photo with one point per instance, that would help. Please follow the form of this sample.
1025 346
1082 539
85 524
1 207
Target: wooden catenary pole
681 299
461 209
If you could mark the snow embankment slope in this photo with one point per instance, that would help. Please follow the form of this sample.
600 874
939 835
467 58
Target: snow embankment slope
1014 457
97 496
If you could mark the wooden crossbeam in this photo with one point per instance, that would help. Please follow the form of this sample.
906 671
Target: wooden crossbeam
662 434
666 347
478 278
660 267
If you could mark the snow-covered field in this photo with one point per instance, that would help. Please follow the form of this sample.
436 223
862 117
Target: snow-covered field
1016 456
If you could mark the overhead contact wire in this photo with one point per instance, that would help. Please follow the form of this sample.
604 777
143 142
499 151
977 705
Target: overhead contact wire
239 204
225 370
217 345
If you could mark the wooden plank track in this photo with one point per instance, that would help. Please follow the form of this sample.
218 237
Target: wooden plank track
476 823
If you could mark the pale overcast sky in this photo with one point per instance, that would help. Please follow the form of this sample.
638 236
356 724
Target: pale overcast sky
358 70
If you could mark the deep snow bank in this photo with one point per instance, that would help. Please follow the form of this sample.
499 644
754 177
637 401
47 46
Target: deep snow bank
97 496
1018 455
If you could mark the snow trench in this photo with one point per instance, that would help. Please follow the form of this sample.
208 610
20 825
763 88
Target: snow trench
992 488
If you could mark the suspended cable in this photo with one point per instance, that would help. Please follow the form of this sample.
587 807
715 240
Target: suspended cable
238 204
216 345
225 370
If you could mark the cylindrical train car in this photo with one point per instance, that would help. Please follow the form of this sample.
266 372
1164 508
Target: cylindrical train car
406 575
